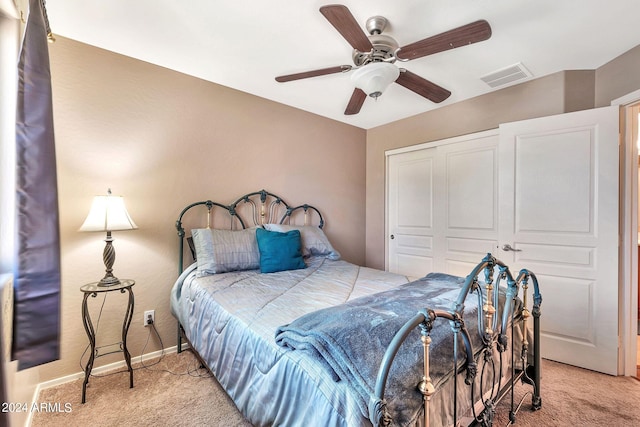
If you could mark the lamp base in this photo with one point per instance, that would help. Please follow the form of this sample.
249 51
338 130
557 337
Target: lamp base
109 281
109 257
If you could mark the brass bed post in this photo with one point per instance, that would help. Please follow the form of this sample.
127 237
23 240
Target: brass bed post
378 412
426 386
488 308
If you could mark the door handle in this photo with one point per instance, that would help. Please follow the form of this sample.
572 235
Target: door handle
507 247
392 237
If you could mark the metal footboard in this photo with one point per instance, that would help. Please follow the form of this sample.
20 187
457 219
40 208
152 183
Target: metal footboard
494 334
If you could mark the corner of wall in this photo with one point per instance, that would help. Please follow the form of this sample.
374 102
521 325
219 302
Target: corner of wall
617 77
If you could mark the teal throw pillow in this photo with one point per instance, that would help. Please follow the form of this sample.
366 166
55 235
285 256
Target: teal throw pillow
279 251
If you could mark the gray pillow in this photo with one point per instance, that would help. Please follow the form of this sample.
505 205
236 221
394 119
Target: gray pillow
314 241
219 251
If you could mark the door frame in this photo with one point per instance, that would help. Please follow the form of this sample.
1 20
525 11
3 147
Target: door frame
628 270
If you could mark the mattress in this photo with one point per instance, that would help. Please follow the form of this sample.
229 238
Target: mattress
231 319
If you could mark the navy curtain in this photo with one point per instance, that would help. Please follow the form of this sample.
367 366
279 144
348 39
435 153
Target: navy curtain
36 323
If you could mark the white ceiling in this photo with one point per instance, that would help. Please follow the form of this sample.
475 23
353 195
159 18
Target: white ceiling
245 44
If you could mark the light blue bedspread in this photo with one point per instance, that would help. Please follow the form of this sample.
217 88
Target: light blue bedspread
231 320
350 340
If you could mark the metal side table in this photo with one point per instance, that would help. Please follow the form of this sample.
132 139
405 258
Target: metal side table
93 289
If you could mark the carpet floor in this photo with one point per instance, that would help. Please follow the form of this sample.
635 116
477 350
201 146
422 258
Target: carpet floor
171 391
175 391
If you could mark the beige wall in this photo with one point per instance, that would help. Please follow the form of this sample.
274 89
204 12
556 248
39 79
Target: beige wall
163 140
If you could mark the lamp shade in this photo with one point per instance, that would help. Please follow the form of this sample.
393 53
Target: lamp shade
108 213
375 77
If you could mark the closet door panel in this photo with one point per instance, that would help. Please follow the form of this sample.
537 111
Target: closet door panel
410 211
555 163
468 201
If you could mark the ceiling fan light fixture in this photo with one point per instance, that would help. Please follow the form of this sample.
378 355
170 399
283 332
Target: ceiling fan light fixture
375 77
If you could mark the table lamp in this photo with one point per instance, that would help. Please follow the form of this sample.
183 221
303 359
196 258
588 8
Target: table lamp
108 213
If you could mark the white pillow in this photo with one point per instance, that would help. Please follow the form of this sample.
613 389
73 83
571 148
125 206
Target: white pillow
314 241
219 251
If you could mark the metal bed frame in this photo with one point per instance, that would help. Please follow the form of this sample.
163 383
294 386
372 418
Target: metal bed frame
265 207
492 333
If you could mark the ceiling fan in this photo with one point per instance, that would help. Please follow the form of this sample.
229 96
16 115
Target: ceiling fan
374 56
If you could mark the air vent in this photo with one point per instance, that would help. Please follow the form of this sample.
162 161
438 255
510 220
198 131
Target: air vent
507 75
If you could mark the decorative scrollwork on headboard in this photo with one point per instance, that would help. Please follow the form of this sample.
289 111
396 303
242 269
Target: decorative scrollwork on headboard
265 213
252 209
305 208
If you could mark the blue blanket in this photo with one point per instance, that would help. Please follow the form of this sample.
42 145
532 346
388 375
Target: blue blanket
350 340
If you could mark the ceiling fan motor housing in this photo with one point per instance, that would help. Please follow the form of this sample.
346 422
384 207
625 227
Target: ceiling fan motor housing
384 48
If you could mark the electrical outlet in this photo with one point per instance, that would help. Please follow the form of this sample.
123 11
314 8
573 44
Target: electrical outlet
149 317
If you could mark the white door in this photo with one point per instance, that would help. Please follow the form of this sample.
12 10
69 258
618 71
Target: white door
467 203
559 210
410 212
442 205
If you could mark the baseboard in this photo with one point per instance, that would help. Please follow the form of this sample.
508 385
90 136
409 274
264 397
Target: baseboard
105 368
99 370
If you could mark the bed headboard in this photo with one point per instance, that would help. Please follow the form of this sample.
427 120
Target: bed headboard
252 209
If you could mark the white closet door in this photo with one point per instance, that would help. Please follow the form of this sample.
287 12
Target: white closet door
442 205
468 207
411 212
559 210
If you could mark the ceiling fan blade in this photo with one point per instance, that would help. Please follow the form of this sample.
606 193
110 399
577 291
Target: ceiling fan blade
467 34
342 19
355 103
313 73
422 87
